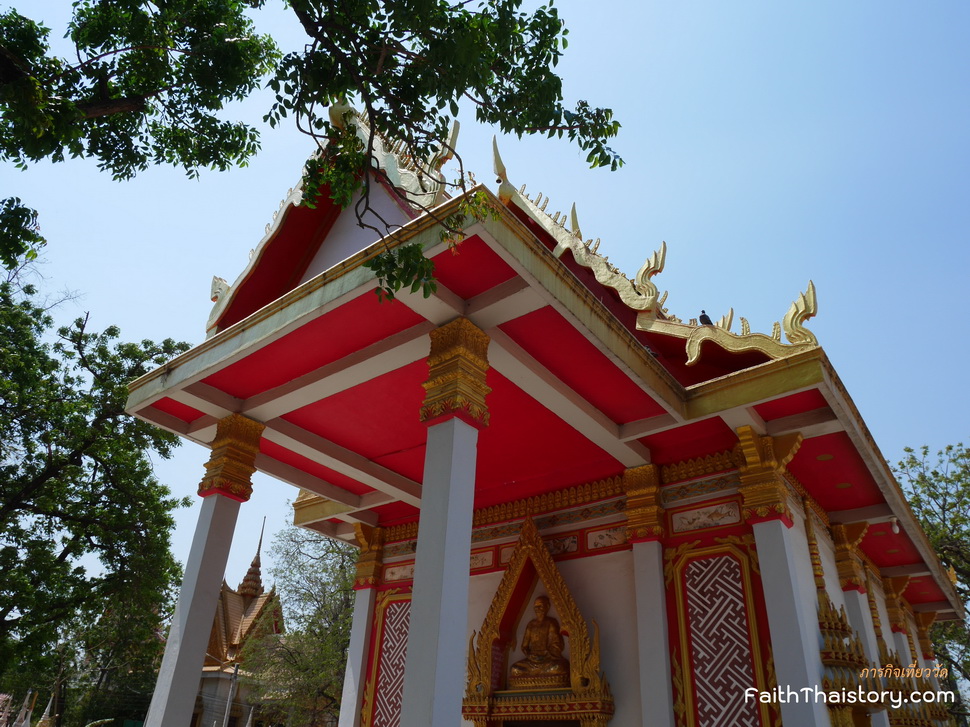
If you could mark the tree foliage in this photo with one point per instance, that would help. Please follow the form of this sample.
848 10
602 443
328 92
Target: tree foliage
938 489
147 80
84 524
298 675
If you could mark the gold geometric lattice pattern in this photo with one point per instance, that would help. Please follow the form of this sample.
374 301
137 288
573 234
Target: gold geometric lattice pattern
721 656
390 675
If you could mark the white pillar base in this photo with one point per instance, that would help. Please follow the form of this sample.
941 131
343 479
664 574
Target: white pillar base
181 670
435 668
792 623
653 649
354 677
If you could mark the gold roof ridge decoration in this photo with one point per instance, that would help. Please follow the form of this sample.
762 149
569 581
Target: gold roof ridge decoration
642 295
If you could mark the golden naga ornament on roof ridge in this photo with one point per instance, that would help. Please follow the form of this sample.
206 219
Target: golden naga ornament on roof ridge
799 338
642 295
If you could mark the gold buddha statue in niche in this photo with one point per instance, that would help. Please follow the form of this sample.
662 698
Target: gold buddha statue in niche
542 643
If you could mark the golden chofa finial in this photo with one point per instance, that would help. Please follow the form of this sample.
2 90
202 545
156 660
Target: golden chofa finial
574 223
805 307
505 189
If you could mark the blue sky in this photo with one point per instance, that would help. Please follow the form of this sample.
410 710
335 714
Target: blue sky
767 143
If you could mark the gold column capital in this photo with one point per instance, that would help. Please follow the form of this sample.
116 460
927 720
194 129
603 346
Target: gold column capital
893 590
644 514
762 461
371 558
923 622
457 367
852 575
232 460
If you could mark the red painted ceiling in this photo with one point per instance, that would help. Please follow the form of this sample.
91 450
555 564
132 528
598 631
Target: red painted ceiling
690 441
570 356
177 409
286 456
351 327
526 449
790 405
831 469
471 268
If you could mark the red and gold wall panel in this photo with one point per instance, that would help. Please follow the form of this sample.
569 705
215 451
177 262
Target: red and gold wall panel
385 677
714 599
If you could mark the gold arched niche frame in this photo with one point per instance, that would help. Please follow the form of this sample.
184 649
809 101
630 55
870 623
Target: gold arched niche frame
585 677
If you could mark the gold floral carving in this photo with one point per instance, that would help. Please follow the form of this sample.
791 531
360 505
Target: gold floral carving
762 463
405 531
644 514
843 657
874 612
691 468
851 570
817 572
677 682
808 501
586 682
923 623
771 677
232 460
371 558
457 365
745 544
550 501
673 555
893 589
576 496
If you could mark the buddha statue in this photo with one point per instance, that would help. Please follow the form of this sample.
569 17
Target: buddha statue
542 644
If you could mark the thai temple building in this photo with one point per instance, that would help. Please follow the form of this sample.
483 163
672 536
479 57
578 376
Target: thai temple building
572 506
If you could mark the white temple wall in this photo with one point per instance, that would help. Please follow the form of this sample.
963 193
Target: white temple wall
604 591
347 238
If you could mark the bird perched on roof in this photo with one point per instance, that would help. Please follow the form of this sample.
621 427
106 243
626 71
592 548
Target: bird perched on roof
705 319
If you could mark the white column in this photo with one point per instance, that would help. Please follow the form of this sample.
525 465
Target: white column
860 619
354 677
653 650
792 623
434 674
181 670
902 648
